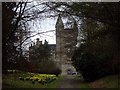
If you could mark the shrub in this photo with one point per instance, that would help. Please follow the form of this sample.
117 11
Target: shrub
40 78
91 66
48 67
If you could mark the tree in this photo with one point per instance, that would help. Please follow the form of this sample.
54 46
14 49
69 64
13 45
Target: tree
94 58
39 53
15 31
91 57
8 46
40 57
100 32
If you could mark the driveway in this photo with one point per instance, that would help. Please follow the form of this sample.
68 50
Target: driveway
69 82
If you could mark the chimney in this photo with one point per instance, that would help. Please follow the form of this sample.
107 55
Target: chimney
38 43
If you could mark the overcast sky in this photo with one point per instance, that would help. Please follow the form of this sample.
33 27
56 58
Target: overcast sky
46 24
42 24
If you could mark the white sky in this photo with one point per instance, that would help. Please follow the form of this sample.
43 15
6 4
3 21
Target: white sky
42 25
46 24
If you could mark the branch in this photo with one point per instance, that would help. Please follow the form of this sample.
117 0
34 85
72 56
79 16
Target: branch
16 24
33 7
34 36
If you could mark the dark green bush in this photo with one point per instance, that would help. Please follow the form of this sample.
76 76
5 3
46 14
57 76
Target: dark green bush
48 67
91 66
55 71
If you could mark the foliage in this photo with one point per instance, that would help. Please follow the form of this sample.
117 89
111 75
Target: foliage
48 67
41 59
7 28
90 66
16 34
12 34
99 33
13 81
39 52
40 78
95 56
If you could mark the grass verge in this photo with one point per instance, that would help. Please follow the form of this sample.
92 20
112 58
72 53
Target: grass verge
106 82
13 81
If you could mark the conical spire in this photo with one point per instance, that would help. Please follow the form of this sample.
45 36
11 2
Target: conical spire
59 23
74 23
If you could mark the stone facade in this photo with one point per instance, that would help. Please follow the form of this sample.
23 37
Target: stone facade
66 40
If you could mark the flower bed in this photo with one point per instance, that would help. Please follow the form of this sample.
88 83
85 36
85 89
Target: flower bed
40 78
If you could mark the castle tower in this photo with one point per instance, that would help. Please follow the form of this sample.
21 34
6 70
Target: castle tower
66 40
59 27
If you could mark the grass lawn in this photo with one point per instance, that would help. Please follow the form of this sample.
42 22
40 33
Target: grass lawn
106 82
13 81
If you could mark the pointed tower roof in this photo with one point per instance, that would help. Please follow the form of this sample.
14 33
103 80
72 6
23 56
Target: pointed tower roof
59 22
74 23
